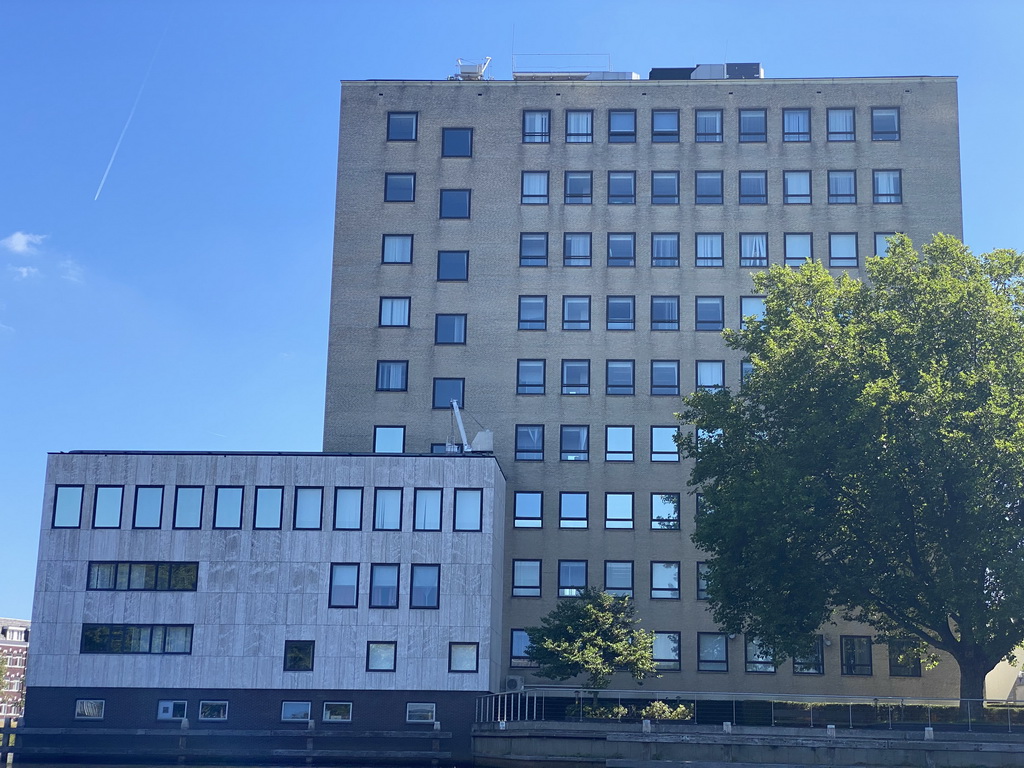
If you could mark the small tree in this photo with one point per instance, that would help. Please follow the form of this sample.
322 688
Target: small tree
595 634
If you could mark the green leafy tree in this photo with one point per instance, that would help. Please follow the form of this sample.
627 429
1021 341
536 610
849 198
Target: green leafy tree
872 464
595 635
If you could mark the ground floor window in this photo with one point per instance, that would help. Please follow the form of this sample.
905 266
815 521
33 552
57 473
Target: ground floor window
89 709
292 711
213 710
420 712
337 711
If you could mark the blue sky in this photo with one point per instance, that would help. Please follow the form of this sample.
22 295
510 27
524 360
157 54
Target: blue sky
186 307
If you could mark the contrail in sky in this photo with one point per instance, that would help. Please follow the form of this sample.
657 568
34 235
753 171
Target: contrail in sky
130 116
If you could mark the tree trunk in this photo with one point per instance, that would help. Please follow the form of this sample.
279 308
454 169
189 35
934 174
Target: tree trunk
974 665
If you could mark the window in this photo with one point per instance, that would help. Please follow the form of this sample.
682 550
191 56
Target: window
148 506
842 187
664 126
383 585
618 512
621 249
394 311
387 509
452 265
396 249
621 313
753 307
533 249
856 655
708 125
106 511
90 709
67 506
798 248
665 249
663 444
298 655
664 581
468 509
447 390
796 187
530 377
425 586
619 377
904 659
575 442
268 508
426 509
227 510
621 187
754 249
666 651
572 511
702 581
293 711
533 311
665 188
710 313
143 576
709 249
621 126
536 126
392 375
575 377
348 509
526 578
753 125
399 187
665 377
576 249
708 187
529 442
534 188
746 368
882 243
528 508
842 249
579 187
579 126
664 313
575 313
380 656
213 711
188 507
618 577
813 662
449 329
841 124
389 439
796 125
572 577
402 126
136 638
519 645
888 186
456 142
337 712
344 592
756 657
712 652
171 710
753 187
463 657
665 510
885 124
618 443
710 374
309 504
455 203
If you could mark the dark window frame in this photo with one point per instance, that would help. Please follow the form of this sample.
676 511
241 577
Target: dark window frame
388 177
621 135
355 587
450 193
753 137
444 141
415 125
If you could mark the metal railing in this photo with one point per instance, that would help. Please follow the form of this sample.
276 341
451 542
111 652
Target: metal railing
763 710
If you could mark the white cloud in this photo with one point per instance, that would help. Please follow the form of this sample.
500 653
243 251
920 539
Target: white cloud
23 272
22 242
72 270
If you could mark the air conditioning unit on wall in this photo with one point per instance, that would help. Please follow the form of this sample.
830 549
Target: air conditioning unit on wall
514 683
